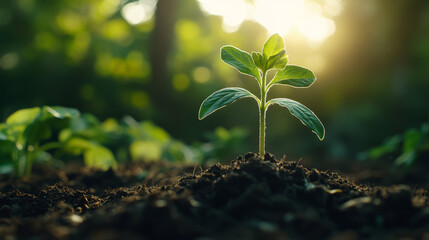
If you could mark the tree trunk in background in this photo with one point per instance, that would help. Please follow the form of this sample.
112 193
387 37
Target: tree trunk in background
162 36
405 31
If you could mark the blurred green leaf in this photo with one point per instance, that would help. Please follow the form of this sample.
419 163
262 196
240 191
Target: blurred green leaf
411 140
153 132
3 137
178 151
23 116
77 146
410 147
222 144
99 157
389 146
62 112
145 150
406 158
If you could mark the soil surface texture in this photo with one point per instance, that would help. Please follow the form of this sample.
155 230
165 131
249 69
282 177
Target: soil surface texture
248 199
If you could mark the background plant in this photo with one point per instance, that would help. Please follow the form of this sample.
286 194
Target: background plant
28 134
257 65
405 149
59 134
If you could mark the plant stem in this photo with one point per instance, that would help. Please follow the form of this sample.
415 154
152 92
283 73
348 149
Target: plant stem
262 117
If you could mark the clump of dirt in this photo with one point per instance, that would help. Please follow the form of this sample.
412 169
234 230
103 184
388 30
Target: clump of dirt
248 198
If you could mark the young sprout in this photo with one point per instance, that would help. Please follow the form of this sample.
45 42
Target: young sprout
273 57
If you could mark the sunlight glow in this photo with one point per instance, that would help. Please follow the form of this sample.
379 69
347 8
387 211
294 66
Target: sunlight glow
316 28
311 18
139 11
278 16
333 7
233 13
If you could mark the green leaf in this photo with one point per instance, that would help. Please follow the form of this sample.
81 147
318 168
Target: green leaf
259 60
273 46
389 146
36 132
406 158
305 115
273 59
95 155
222 98
411 140
77 146
240 60
3 137
23 116
99 157
146 150
61 112
150 131
294 76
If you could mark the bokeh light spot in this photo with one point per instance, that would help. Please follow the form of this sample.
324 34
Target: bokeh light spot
187 30
117 30
69 22
278 16
9 60
140 100
333 7
78 47
180 82
201 74
138 12
46 41
133 13
316 28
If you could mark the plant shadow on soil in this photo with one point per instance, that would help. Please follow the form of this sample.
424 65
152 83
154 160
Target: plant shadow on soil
245 199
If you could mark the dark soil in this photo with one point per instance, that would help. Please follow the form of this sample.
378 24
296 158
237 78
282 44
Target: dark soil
245 199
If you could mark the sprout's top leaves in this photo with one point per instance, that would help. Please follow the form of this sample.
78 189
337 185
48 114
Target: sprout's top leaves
281 63
272 61
259 60
273 46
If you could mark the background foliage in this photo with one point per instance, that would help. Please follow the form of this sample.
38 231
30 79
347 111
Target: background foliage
96 56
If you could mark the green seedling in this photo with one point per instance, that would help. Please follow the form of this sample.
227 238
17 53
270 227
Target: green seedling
406 148
27 134
273 57
31 134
